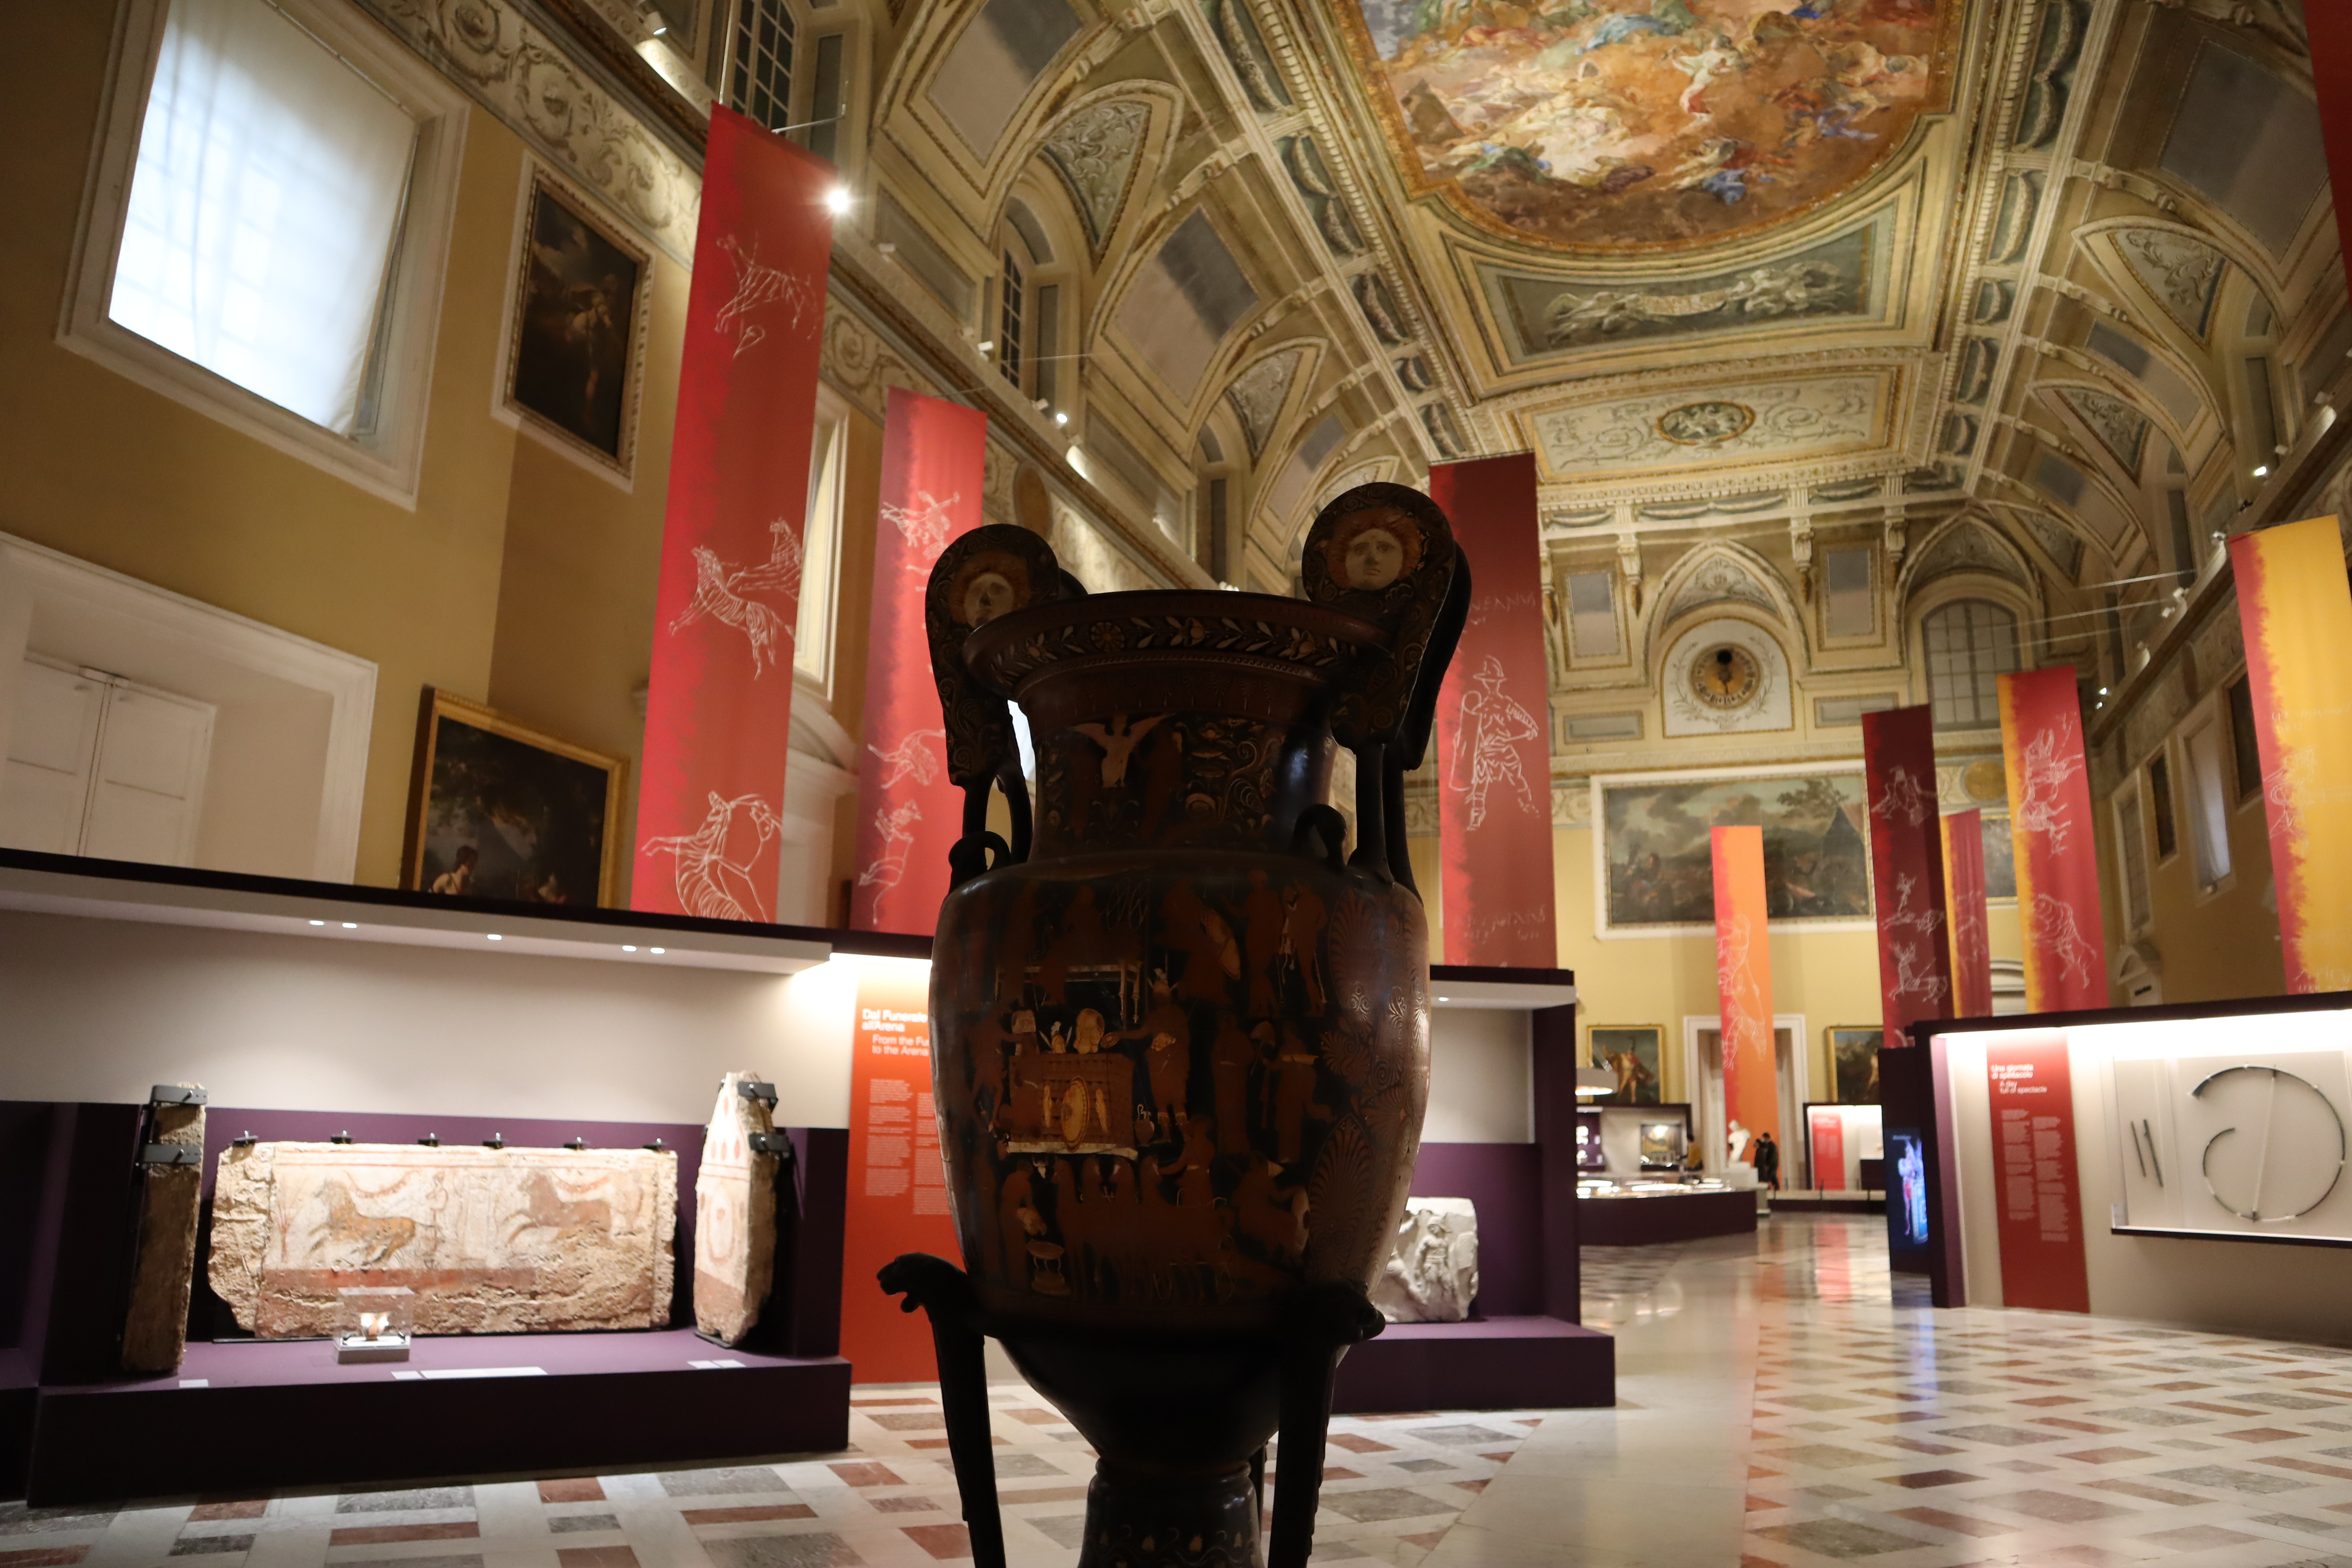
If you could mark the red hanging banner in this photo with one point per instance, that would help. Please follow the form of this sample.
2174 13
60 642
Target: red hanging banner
1743 979
2050 825
909 812
2298 614
1964 914
1906 869
718 701
2040 1209
1494 730
898 1199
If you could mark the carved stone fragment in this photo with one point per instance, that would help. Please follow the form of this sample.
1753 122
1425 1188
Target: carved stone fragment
164 1266
735 1213
1432 1272
491 1240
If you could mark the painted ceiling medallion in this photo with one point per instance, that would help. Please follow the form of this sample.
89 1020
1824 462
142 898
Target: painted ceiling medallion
1706 424
1620 124
1725 677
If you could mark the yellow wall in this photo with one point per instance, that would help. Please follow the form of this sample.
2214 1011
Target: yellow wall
518 579
1830 978
2213 948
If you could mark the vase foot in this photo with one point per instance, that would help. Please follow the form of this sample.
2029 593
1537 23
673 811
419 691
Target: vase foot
1139 1520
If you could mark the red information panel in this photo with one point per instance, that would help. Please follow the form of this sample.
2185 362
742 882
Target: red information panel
1494 730
1906 869
2040 1204
718 701
897 1192
1828 1148
909 812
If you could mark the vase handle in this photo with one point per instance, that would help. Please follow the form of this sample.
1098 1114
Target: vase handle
1325 823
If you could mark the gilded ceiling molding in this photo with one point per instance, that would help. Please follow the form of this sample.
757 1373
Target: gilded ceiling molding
526 79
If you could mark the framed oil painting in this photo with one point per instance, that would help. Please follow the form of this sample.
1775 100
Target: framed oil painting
1631 1051
1655 871
499 810
1854 1063
576 346
2000 860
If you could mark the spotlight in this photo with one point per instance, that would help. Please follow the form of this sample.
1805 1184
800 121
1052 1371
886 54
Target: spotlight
628 947
1060 417
2262 470
985 344
836 199
350 925
318 922
659 951
496 937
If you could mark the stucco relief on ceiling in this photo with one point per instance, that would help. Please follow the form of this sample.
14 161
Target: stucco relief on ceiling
1095 150
1614 124
1257 396
2181 272
2121 428
1819 416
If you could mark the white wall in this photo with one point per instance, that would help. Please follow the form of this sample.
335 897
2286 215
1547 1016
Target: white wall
1481 1076
102 1009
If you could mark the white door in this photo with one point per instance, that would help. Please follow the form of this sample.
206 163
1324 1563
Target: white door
1703 1068
52 749
99 765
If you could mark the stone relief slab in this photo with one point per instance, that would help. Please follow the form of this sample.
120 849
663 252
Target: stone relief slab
2181 272
164 1266
491 1240
735 1211
1675 429
1432 1272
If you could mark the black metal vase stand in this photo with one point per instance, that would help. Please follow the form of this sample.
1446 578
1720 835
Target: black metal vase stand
1180 1423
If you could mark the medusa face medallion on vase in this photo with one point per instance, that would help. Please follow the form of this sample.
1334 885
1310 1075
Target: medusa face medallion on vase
1180 1052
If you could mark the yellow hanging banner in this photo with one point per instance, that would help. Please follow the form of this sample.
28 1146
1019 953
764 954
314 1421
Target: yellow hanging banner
2296 610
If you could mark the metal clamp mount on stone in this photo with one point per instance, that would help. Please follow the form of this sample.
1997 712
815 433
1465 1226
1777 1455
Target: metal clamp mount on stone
751 1088
175 1094
171 1155
768 1143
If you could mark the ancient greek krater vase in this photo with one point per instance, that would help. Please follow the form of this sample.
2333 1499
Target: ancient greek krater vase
1180 1043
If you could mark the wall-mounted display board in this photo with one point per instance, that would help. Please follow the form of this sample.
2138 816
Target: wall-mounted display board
2244 1142
2182 1164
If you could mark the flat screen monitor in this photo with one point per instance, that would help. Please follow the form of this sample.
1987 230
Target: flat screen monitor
1907 1161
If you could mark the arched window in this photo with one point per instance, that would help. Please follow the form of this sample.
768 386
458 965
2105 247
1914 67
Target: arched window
1971 644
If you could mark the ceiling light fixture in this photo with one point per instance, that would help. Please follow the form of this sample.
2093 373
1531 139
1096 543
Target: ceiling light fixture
2262 470
628 947
1060 417
657 952
836 199
496 937
350 925
318 922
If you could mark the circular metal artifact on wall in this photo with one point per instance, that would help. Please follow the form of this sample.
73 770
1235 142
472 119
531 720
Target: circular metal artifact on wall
2261 1165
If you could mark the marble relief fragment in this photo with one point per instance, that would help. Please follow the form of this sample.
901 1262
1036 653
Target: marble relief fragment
735 1211
1432 1272
491 1240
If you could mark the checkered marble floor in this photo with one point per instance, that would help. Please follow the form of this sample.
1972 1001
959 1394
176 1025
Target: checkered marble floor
1785 1403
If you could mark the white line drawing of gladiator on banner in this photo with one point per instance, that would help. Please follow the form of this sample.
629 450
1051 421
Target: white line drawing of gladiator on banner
712 886
723 593
1906 801
1486 746
925 524
913 756
2052 758
1735 980
1914 966
758 286
897 826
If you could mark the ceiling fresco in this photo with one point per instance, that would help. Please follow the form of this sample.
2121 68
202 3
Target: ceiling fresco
1643 124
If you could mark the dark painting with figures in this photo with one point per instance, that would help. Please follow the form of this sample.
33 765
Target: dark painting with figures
575 326
1660 865
1999 859
1853 1061
1632 1054
504 812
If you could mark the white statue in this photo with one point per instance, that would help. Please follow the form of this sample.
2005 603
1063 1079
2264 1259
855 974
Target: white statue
1432 1272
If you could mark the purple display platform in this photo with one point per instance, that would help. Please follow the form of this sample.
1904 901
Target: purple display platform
1639 1221
1493 1363
596 1401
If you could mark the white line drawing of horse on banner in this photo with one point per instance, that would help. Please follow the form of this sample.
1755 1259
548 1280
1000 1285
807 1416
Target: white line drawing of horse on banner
925 523
1905 800
2049 762
758 286
724 592
2060 936
711 885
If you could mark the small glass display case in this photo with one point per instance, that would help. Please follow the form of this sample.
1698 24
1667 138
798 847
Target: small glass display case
1645 1186
377 1322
